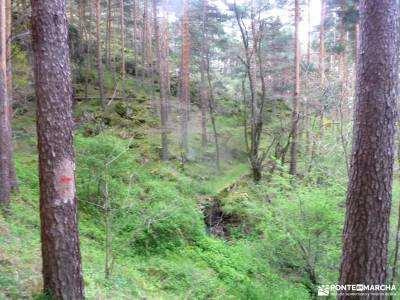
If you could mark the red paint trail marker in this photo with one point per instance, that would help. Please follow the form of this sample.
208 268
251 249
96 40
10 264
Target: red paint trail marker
66 179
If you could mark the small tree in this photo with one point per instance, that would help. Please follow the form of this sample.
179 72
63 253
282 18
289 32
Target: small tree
253 62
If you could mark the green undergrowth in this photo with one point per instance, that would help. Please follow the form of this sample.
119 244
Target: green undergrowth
161 248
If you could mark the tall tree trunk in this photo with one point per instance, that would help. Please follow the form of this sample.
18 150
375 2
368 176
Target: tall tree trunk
308 32
322 42
322 66
185 60
147 40
342 42
295 114
5 186
211 106
134 35
9 12
321 69
108 34
89 52
62 271
369 195
203 84
99 56
122 11
161 48
81 19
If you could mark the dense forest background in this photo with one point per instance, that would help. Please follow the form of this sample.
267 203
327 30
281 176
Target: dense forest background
212 143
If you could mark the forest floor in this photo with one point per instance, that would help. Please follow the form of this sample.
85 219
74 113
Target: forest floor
180 230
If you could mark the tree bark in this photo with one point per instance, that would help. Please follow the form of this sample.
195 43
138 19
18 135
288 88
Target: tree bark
62 271
99 56
369 195
13 174
5 186
295 114
185 93
357 43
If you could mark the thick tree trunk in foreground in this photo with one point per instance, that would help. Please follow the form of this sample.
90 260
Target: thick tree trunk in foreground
62 273
366 230
5 140
99 56
295 114
184 94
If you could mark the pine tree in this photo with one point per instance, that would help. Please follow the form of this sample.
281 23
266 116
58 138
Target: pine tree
62 271
369 194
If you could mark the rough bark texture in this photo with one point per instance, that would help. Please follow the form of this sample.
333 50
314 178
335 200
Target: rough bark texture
4 115
357 43
184 94
364 259
295 117
62 273
99 56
